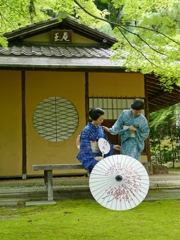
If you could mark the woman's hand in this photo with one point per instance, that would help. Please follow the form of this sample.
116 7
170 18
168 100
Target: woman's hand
117 147
98 158
131 128
106 128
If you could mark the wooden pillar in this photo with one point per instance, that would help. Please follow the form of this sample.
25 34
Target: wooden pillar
147 116
87 96
23 81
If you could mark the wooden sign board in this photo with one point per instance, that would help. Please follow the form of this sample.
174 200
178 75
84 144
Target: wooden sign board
61 36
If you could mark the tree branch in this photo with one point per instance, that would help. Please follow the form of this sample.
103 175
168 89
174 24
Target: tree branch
92 15
121 25
152 30
14 10
138 50
6 20
143 40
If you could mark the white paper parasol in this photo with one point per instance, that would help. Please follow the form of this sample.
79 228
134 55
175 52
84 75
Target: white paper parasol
103 146
119 182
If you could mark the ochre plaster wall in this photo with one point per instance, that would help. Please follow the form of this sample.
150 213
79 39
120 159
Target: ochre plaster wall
42 85
10 124
116 84
144 158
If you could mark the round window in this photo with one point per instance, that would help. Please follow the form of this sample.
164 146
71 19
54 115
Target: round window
55 119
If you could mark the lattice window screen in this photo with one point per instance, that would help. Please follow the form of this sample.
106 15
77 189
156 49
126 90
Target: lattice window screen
55 119
112 106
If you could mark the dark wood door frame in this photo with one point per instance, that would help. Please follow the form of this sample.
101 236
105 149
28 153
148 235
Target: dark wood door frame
23 96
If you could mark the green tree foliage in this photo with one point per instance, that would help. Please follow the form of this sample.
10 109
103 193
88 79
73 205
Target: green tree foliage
148 37
148 31
19 13
115 14
165 135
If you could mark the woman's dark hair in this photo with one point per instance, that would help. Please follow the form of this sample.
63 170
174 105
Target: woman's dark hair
138 104
95 113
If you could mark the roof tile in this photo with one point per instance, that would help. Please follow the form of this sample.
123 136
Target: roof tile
57 51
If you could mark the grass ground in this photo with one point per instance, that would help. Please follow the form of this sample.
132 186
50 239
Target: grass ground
174 169
171 170
87 220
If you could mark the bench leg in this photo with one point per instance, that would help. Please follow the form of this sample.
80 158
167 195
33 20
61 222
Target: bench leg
48 183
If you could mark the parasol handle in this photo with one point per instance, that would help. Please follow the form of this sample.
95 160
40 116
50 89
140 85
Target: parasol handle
119 178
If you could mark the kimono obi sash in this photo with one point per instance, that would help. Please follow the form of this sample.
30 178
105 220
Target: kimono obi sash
94 146
132 134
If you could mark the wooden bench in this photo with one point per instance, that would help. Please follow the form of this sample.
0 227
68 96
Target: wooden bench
48 178
48 175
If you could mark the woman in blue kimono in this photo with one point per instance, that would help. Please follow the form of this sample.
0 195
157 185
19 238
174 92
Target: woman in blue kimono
133 129
90 154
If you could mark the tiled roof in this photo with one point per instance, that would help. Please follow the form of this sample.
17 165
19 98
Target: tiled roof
56 51
68 23
57 57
